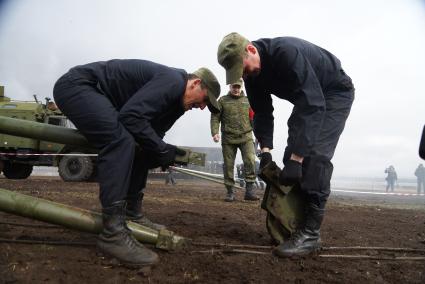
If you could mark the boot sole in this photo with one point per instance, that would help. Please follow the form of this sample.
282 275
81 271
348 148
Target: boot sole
295 255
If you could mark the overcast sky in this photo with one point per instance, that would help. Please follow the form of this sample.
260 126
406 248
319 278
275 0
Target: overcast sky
381 45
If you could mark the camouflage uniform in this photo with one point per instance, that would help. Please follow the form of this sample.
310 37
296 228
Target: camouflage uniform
236 132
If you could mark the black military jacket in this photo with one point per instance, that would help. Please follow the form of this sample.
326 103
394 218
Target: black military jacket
148 96
300 72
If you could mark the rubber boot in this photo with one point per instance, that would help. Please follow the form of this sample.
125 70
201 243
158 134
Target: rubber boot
116 240
249 192
307 239
134 212
230 196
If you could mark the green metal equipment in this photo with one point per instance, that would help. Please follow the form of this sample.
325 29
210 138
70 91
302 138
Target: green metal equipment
71 217
19 154
284 205
43 136
80 219
58 134
202 175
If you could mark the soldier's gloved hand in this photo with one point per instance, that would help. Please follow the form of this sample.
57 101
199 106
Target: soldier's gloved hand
291 173
266 158
168 156
180 152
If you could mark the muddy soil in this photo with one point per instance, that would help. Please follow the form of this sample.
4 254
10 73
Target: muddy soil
197 210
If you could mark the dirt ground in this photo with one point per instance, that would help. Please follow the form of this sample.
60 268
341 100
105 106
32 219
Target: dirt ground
197 211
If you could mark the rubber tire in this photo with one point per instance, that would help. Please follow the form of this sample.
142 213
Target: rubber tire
17 170
93 177
75 168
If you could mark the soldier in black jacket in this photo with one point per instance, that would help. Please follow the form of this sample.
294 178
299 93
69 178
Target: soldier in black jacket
312 79
116 105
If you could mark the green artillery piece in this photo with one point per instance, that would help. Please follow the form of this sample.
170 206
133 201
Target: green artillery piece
67 216
21 166
58 134
80 219
284 205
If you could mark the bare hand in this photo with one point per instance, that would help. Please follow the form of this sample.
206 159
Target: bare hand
216 138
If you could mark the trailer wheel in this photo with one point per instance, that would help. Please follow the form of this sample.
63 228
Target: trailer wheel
75 168
17 170
93 177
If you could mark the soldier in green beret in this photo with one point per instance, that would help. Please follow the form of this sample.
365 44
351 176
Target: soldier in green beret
236 133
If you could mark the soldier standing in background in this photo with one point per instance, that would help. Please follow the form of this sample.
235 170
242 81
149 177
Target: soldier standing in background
236 133
420 175
391 178
240 174
169 178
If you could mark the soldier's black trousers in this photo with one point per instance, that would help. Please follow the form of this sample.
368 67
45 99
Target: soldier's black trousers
121 171
317 167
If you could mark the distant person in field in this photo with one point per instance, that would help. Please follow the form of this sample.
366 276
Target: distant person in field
169 178
391 178
420 175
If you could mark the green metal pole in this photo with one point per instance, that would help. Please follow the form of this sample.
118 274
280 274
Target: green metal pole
63 135
202 176
80 219
210 175
41 131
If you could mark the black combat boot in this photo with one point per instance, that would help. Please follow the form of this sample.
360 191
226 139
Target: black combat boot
249 192
230 196
306 239
116 239
134 212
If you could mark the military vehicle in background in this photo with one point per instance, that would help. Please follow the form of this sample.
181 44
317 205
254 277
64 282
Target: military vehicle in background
19 155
